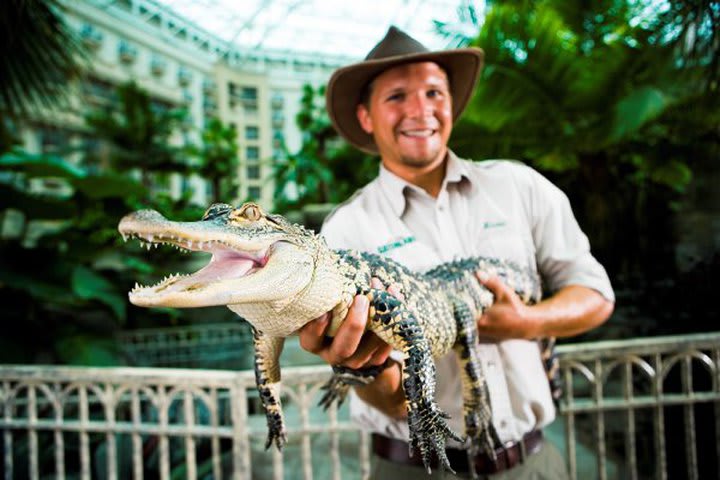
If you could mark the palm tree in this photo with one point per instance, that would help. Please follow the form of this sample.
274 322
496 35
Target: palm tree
138 134
325 169
592 92
40 54
218 158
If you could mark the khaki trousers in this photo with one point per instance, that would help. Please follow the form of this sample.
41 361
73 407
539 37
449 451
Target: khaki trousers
547 464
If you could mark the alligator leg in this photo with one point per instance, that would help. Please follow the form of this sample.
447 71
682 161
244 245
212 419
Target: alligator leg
267 376
476 404
398 326
337 388
552 367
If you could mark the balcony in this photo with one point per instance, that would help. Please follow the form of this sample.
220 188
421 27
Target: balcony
127 53
158 65
629 410
184 76
91 36
209 87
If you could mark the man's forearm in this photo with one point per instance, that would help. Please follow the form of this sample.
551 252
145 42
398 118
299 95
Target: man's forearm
570 311
386 392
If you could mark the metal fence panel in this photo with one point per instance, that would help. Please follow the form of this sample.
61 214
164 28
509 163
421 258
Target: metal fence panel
651 406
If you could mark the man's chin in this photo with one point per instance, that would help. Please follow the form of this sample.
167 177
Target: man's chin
421 159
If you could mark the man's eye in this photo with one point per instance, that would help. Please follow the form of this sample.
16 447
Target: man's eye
434 93
395 96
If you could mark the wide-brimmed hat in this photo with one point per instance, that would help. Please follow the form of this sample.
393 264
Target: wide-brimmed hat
462 66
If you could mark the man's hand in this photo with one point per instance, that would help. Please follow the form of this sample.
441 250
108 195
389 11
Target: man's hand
352 346
356 348
508 317
571 310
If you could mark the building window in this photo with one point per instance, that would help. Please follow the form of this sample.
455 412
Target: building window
249 98
249 93
253 172
98 92
127 52
252 153
53 140
252 133
254 192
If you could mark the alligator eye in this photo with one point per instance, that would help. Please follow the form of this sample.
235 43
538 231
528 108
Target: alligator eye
249 211
252 212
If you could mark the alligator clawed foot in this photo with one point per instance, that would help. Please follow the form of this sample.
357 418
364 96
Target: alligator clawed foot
336 390
428 433
276 434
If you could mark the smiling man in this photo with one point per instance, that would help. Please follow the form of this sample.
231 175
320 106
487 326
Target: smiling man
427 206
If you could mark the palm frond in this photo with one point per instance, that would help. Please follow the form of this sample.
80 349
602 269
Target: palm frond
40 54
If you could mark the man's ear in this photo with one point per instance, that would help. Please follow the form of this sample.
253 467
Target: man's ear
363 116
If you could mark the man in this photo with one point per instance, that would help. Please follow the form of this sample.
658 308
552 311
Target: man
426 207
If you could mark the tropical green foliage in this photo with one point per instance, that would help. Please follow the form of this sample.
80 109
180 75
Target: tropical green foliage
139 133
600 96
41 53
78 298
217 159
325 169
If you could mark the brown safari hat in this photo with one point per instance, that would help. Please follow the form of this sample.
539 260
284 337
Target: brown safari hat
346 84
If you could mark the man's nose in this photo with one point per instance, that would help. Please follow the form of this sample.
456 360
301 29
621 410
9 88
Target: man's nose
417 105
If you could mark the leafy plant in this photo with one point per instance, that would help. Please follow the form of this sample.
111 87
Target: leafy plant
139 134
596 95
217 158
325 169
40 53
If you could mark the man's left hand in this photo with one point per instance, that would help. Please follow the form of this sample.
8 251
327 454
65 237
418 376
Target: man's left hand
508 317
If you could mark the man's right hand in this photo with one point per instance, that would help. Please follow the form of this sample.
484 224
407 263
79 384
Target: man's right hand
352 346
356 348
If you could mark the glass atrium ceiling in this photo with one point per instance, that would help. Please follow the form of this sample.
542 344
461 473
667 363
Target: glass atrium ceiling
345 28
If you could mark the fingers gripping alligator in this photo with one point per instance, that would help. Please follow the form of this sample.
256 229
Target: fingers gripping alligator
279 276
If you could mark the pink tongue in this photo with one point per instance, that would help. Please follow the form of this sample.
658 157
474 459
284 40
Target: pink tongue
216 270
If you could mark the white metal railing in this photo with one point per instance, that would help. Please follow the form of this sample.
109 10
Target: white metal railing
618 390
116 423
212 345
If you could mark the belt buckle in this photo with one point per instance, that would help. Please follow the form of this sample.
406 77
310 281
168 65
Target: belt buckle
509 447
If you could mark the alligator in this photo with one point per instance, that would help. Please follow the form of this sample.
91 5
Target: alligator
279 276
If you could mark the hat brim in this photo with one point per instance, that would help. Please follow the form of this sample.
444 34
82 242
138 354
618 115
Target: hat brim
346 84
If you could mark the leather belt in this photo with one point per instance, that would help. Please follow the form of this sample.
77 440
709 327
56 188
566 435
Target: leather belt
508 456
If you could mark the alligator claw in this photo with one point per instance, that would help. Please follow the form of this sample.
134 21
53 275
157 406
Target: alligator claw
428 433
336 391
276 435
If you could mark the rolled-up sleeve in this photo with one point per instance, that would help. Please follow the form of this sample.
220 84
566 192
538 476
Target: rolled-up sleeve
562 249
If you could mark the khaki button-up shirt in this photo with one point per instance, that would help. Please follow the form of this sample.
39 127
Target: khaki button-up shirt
500 209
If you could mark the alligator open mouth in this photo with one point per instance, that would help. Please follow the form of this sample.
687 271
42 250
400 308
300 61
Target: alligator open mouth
226 263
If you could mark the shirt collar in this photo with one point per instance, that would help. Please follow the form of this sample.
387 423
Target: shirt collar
396 188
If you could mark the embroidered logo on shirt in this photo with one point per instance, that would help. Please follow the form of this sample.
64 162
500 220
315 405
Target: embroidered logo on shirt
487 225
396 244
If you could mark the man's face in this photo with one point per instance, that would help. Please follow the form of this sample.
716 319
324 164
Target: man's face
409 114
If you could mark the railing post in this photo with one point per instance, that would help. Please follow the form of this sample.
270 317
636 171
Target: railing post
240 435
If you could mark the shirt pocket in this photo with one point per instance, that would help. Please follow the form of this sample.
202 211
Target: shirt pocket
504 241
